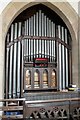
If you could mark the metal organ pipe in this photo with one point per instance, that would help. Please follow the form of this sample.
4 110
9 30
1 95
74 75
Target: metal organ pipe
66 41
11 60
7 70
43 35
29 49
18 62
22 62
48 35
37 44
31 40
40 30
34 22
54 42
50 44
60 61
15 62
63 59
52 29
25 41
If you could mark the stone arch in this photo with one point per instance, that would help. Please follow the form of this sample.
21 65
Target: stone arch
61 8
13 9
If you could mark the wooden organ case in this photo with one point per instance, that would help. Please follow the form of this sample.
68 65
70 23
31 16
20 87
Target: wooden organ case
38 53
38 64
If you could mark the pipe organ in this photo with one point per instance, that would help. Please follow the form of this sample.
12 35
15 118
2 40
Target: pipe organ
37 55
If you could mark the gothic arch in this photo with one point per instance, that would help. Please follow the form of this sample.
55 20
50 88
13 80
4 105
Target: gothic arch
13 9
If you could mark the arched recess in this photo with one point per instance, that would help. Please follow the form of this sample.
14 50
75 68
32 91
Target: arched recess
15 8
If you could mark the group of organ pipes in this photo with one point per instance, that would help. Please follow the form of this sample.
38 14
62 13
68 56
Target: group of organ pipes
36 37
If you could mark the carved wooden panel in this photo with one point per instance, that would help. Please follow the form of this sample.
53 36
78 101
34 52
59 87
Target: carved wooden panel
55 110
75 110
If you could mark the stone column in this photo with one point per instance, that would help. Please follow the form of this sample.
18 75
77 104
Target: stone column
2 70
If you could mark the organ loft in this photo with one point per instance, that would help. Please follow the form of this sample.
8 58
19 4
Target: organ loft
38 67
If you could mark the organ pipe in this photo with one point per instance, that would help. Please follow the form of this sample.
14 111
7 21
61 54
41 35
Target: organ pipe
66 41
37 34
54 42
52 48
45 35
25 41
40 41
42 34
34 35
11 60
50 43
29 49
19 60
48 35
63 59
31 40
7 69
15 62
60 61
22 66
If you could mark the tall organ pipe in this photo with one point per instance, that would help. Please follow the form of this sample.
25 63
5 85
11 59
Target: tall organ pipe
45 19
50 46
29 49
63 58
34 22
37 34
18 62
7 70
54 42
66 41
48 35
40 30
25 41
31 40
11 60
43 35
15 62
59 61
22 66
